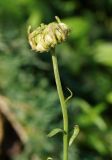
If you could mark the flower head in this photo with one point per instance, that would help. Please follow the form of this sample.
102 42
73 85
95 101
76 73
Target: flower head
45 37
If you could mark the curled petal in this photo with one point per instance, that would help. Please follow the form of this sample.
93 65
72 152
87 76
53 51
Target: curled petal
45 37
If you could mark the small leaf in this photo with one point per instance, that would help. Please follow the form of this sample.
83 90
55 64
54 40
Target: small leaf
55 131
74 135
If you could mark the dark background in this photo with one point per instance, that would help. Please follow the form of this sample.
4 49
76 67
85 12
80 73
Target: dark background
85 62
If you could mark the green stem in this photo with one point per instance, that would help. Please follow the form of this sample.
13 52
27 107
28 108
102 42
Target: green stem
63 104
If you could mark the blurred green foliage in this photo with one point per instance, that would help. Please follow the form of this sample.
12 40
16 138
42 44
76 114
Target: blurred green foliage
85 65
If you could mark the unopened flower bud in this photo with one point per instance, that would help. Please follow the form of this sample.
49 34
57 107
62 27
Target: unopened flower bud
48 36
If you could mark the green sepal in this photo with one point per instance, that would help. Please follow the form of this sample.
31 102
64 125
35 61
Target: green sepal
55 131
74 135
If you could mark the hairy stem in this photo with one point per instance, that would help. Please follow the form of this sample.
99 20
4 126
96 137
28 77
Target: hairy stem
63 104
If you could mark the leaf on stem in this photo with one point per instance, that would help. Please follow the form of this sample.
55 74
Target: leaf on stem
55 131
74 135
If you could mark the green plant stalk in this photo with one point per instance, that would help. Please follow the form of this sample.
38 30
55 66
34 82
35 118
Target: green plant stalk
63 104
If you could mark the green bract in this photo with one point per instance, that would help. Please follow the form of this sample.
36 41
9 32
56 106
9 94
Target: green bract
48 36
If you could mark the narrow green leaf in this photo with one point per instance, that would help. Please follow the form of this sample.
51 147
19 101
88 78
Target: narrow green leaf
55 131
74 135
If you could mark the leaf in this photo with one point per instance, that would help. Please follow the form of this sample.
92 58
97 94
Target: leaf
81 25
104 53
74 135
55 131
109 97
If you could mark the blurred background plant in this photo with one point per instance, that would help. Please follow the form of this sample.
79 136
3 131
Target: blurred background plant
85 62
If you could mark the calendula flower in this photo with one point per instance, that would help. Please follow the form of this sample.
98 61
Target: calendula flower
45 37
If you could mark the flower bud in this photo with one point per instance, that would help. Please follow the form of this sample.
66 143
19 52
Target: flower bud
45 37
